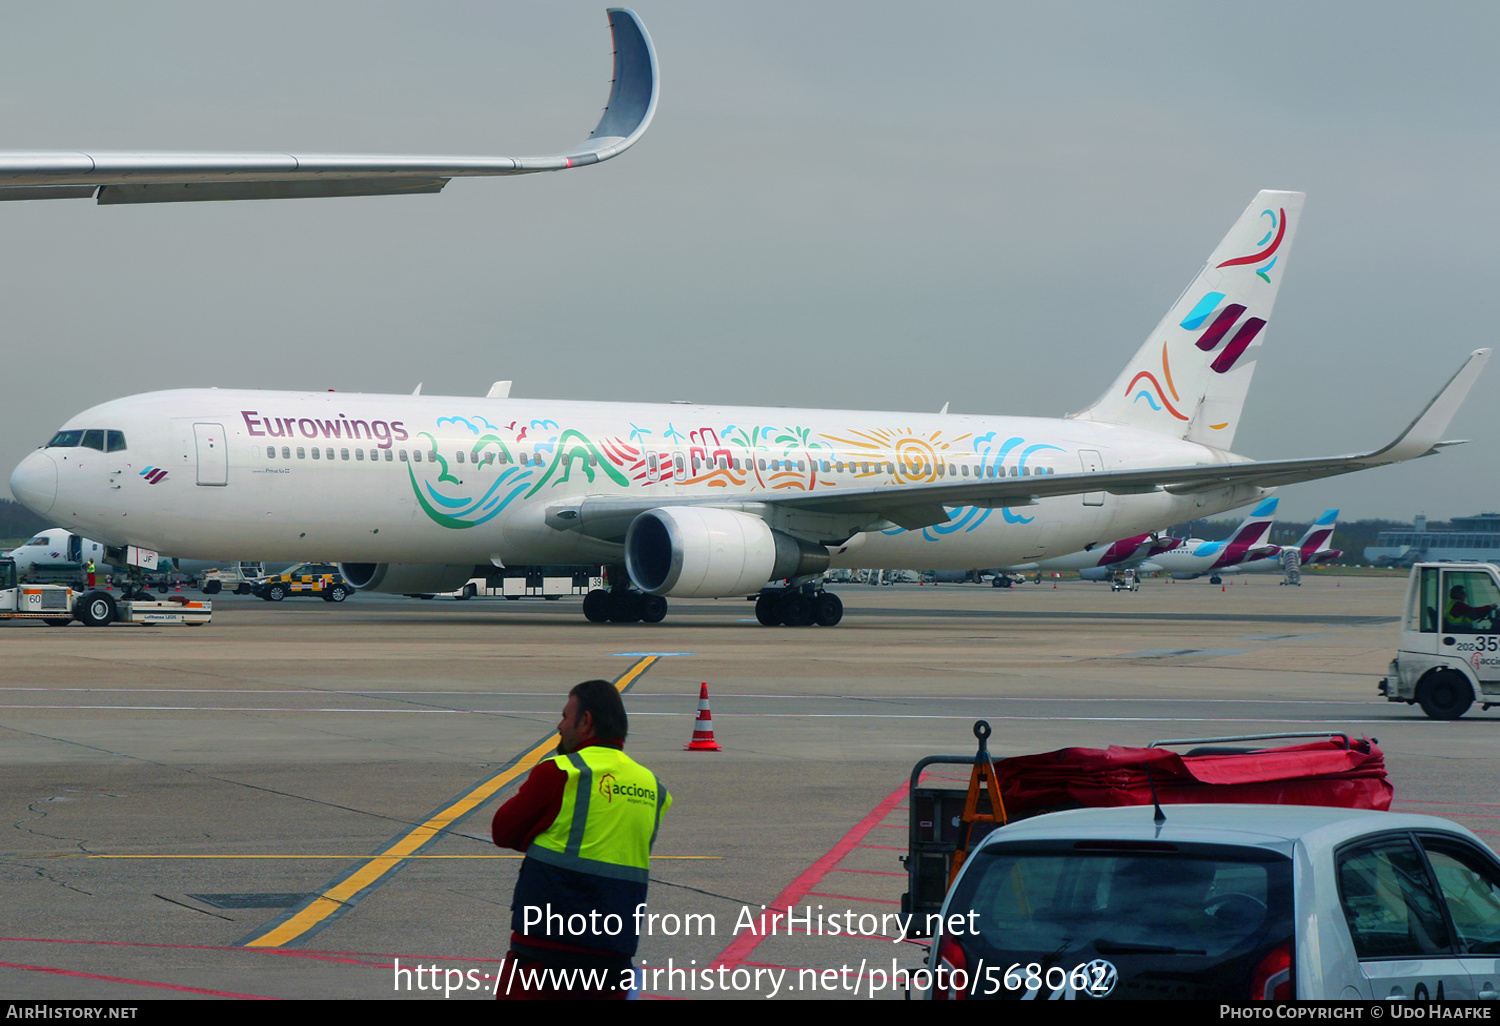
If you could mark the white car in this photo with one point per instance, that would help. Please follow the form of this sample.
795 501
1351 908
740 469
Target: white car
1223 903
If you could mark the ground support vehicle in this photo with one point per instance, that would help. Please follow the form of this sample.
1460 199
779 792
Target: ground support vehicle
545 582
59 605
1336 770
1449 654
240 578
320 580
1125 580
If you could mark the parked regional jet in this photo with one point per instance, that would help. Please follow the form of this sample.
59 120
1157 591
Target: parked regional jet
1197 557
139 177
55 546
414 492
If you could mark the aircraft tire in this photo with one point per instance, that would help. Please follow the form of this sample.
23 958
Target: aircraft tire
653 608
1445 695
623 608
797 611
828 609
96 609
596 606
768 610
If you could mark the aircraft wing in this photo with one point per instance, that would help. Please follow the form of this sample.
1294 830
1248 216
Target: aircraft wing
142 177
917 506
921 506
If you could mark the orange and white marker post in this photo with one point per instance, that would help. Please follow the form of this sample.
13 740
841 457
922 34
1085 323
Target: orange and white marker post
703 727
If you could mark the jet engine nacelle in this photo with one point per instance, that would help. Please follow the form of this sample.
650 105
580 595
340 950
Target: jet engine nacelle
703 552
1096 573
407 578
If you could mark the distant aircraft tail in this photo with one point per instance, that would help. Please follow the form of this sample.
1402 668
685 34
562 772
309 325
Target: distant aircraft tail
1319 536
1190 378
1250 535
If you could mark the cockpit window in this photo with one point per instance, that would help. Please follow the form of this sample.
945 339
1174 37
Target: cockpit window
114 441
39 540
65 440
93 439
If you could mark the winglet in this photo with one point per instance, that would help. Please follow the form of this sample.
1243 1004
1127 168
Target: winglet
633 96
1424 435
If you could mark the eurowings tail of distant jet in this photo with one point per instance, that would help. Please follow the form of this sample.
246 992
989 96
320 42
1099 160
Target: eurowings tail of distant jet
416 492
145 177
1311 548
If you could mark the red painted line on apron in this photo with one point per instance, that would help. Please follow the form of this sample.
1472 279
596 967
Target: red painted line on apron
851 897
133 983
868 872
742 946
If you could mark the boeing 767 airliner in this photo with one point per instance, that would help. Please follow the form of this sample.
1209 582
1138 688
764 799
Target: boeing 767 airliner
414 492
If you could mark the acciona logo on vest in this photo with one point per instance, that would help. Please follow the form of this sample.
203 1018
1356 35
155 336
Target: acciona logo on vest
609 787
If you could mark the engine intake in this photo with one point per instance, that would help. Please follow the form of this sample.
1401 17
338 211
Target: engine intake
407 578
704 552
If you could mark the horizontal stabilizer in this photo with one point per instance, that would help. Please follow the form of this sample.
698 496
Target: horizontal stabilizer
146 177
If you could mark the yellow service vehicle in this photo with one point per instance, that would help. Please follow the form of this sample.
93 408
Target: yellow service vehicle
322 580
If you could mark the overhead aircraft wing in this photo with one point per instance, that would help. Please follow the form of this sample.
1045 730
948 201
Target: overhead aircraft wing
142 177
917 506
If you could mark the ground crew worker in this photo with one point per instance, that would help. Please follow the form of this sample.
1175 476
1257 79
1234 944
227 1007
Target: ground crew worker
586 819
90 569
1462 616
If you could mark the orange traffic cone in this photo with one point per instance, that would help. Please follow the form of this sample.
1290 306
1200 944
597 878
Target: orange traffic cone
703 727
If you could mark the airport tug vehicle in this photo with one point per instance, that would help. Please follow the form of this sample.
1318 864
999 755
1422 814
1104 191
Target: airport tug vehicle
58 605
1449 657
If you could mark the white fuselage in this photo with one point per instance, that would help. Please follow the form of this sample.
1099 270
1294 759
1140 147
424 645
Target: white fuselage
207 471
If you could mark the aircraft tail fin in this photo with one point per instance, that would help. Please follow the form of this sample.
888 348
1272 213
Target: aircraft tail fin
1254 528
1190 378
1318 535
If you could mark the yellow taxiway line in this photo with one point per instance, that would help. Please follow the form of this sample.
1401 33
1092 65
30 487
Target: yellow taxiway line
338 895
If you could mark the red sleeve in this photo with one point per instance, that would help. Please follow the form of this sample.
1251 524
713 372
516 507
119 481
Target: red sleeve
531 809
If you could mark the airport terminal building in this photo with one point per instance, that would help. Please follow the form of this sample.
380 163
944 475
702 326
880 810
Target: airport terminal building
1473 538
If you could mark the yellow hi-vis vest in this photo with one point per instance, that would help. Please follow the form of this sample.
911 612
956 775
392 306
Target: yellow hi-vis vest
594 860
611 810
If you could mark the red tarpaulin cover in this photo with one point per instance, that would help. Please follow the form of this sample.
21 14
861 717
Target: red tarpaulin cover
1321 773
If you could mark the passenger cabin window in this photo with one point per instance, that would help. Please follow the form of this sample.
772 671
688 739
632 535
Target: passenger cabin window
329 453
342 452
389 455
286 452
459 456
416 455
359 454
316 453
114 441
300 453
270 452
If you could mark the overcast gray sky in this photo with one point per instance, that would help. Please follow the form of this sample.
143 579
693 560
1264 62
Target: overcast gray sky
870 205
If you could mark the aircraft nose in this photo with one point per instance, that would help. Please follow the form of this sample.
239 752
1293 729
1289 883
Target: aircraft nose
34 483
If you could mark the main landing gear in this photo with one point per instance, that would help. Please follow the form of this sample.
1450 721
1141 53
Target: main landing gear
623 605
798 607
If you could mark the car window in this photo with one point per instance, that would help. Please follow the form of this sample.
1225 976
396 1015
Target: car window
1470 886
1389 901
1195 919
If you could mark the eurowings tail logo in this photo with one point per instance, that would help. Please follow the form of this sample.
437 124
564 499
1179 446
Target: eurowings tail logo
155 475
